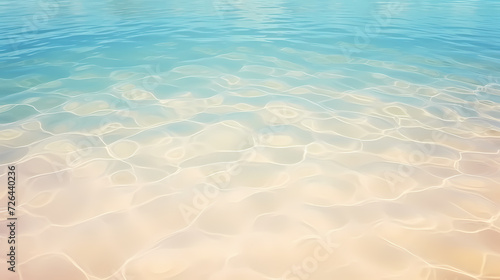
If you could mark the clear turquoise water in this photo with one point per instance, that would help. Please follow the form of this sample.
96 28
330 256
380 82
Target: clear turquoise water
370 122
45 41
59 48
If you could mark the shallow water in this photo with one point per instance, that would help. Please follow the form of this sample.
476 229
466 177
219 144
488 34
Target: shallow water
252 139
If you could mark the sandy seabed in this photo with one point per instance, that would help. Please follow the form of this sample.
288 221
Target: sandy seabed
266 173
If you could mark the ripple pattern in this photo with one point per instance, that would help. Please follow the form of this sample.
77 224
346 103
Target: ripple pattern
254 140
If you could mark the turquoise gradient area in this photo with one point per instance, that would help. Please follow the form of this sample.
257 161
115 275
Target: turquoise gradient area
252 139
47 40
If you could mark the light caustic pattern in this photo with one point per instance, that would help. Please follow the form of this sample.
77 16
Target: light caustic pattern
239 163
263 180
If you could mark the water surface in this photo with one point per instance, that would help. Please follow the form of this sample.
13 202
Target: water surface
252 139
